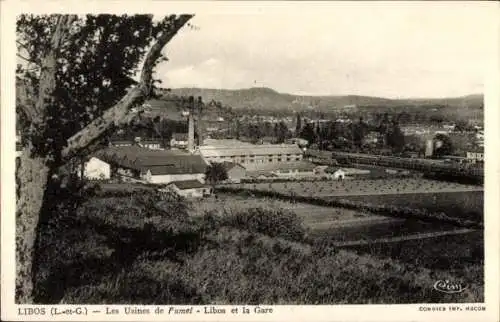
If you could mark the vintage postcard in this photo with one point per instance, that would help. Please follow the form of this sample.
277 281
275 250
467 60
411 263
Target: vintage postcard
250 161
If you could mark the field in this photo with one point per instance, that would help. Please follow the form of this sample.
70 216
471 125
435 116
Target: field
361 187
387 237
436 246
453 253
461 204
454 199
227 203
148 249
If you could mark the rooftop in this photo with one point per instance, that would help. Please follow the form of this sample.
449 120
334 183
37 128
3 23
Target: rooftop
225 143
248 149
157 161
229 165
188 184
284 166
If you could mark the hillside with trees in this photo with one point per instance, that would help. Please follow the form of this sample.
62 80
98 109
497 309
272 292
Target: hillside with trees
266 98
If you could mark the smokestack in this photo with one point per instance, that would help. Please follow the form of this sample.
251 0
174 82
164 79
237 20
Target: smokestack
199 124
429 148
199 131
190 132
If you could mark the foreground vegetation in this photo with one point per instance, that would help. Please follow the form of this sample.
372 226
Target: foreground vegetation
146 248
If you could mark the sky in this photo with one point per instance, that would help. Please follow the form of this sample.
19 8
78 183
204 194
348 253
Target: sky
396 51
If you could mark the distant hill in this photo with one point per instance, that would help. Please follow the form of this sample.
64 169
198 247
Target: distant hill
266 98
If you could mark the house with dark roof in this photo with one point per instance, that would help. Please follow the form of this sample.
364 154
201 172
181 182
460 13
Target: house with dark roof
190 188
235 172
154 166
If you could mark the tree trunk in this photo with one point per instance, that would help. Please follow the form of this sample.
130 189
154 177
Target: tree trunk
33 173
33 177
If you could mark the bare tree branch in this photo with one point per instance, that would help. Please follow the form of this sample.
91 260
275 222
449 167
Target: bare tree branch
26 59
121 112
22 45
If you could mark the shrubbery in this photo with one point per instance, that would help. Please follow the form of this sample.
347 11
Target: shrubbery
148 250
268 221
239 267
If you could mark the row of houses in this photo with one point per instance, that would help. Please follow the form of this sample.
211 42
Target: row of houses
178 141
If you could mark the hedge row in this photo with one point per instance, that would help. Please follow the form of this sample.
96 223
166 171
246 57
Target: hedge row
388 210
271 222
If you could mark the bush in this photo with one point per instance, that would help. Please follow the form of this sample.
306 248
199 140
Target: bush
271 222
146 249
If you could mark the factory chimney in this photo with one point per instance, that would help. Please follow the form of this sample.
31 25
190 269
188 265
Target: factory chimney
199 124
191 124
429 148
190 132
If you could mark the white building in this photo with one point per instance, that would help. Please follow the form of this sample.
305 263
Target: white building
179 140
97 169
339 174
149 144
190 188
165 174
247 154
475 156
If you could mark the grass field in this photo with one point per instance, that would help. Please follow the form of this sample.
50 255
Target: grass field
461 204
336 226
229 203
454 253
141 250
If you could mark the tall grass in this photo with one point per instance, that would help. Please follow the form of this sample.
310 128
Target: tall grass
147 249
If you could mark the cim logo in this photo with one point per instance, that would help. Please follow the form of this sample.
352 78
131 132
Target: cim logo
449 287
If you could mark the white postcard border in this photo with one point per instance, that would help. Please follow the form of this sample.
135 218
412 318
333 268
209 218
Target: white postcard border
10 311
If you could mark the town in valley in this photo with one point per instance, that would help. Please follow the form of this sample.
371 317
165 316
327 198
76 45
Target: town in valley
208 171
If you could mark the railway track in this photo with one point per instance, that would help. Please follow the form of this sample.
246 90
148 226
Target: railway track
422 165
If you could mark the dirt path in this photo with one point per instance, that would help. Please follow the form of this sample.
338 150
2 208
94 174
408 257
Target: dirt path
404 238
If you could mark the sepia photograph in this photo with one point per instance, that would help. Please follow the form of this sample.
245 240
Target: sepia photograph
251 158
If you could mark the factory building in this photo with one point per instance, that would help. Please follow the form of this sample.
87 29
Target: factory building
249 155
153 166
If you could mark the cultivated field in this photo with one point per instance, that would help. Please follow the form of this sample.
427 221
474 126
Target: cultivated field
360 187
424 244
453 199
459 204
145 248
228 204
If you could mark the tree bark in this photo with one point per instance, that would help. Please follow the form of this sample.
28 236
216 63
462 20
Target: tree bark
33 173
33 177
